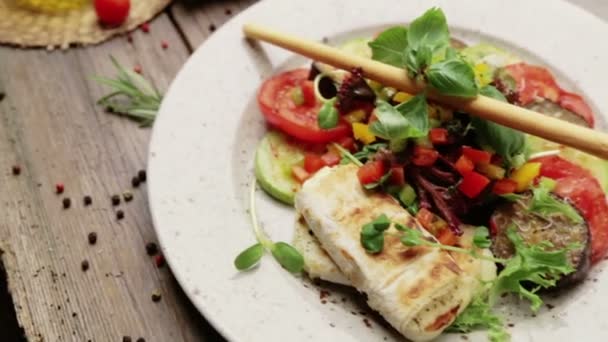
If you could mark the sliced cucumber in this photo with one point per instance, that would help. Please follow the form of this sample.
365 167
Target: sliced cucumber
274 158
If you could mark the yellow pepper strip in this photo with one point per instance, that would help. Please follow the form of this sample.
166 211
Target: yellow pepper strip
362 133
355 116
483 74
400 97
525 175
491 170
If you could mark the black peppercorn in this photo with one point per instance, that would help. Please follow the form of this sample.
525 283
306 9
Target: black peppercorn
126 339
115 200
141 174
120 215
135 182
84 265
66 203
151 248
16 170
87 200
92 238
127 196
156 296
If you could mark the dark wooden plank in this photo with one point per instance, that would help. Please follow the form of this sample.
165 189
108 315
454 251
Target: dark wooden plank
51 127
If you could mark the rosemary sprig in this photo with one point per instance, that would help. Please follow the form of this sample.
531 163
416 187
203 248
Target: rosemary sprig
133 95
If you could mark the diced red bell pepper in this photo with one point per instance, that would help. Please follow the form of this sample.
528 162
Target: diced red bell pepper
439 136
331 158
371 172
425 217
424 156
504 186
447 237
477 156
348 143
308 93
473 184
397 176
299 173
464 165
313 162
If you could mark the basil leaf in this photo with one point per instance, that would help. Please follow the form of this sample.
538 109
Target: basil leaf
372 239
429 29
288 257
249 257
380 182
452 77
491 91
418 59
391 124
328 115
389 47
481 238
416 113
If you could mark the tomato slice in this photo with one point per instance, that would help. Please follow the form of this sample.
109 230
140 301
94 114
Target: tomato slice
424 156
534 81
473 184
313 163
464 165
504 186
279 109
308 92
371 172
477 156
585 193
438 136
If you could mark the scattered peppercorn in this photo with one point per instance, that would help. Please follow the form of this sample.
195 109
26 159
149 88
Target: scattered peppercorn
164 44
151 248
120 215
16 170
59 188
129 38
141 339
228 11
135 182
156 296
115 200
126 339
128 196
159 260
211 27
2 96
87 200
141 174
92 238
145 27
84 265
138 69
67 203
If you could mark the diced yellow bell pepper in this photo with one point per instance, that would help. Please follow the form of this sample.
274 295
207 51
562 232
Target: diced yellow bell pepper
355 116
525 175
362 133
400 97
483 74
491 170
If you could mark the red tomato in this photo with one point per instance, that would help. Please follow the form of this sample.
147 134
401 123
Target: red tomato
464 165
300 122
477 156
313 163
439 136
299 173
308 92
473 184
397 176
112 12
534 81
504 186
425 217
331 158
371 172
585 193
424 156
348 143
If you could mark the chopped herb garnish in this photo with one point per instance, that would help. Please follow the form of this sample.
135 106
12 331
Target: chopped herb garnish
372 234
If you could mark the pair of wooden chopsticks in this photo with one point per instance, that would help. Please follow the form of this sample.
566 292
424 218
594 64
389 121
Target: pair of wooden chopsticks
582 138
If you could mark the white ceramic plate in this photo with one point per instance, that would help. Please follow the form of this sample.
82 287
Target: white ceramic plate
203 143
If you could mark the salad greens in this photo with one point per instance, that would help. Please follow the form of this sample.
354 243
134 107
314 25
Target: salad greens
453 77
407 120
479 315
285 254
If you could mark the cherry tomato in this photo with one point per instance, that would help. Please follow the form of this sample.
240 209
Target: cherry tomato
464 165
438 136
112 12
477 156
424 156
586 194
473 184
274 99
313 163
397 176
371 172
504 186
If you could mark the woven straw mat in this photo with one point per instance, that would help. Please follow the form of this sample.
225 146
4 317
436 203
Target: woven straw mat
26 27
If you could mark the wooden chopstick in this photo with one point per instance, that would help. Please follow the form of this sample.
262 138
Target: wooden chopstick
525 120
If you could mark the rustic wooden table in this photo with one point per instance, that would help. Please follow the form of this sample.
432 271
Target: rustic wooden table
51 127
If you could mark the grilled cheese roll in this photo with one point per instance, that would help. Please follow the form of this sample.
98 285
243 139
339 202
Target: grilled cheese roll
419 290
